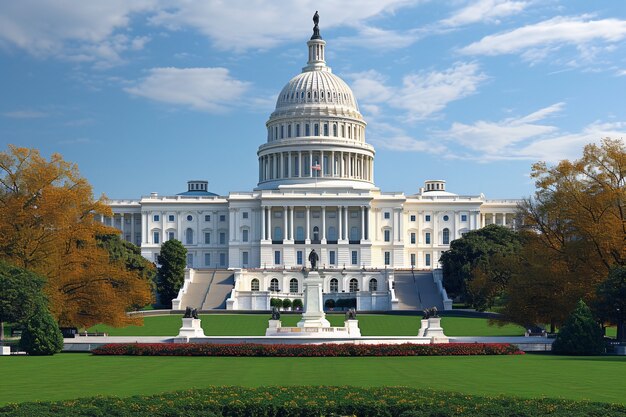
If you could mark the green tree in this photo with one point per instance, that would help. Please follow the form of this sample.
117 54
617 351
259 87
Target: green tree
483 254
580 335
20 293
287 303
41 335
171 272
610 303
297 303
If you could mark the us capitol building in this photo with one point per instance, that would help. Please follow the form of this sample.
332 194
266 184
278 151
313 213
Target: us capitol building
315 190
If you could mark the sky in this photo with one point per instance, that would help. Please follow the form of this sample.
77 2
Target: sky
146 94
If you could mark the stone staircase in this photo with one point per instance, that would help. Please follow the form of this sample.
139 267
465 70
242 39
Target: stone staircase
220 286
416 290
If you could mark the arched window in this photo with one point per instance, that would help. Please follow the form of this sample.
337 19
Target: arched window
254 285
373 284
334 285
293 285
189 236
299 233
332 233
274 285
335 129
278 233
446 236
316 233
354 285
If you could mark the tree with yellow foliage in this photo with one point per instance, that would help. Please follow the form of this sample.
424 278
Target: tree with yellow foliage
48 225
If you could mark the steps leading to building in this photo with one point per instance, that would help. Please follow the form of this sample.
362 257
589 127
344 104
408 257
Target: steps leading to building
219 288
416 291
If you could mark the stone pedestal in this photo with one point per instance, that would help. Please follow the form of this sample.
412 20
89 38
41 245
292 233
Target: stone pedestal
423 328
313 315
352 326
191 328
5 350
434 331
272 328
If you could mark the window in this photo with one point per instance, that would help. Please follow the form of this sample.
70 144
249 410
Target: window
278 233
297 130
189 218
288 131
293 285
299 257
277 257
300 214
373 284
244 235
354 285
412 238
207 259
244 215
413 217
387 233
190 260
427 238
170 218
446 236
299 233
332 259
170 236
189 237
387 258
207 217
316 233
207 238
274 285
412 259
316 130
282 131
334 285
254 285
325 129
427 259
387 215
427 218
446 218
244 258
222 217
156 217
155 238
332 233
307 129
463 217
354 233
354 257
222 238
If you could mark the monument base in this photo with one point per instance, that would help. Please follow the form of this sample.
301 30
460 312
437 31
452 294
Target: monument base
273 328
435 331
5 350
423 328
191 328
313 315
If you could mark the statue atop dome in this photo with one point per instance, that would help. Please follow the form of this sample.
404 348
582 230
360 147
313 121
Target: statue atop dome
316 29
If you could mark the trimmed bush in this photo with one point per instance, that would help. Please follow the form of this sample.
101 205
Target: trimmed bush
323 350
287 303
41 335
276 302
330 303
580 334
297 303
307 401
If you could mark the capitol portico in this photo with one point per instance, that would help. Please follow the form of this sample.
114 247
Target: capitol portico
315 190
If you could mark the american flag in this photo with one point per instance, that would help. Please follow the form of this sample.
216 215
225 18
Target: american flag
316 167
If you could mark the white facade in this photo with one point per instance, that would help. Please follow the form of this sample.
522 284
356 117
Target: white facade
315 191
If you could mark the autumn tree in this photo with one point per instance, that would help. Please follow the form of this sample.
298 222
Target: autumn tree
48 225
171 274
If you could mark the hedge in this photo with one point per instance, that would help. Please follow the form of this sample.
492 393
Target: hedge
307 401
282 350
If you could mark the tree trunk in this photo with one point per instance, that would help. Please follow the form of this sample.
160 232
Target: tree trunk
552 326
1 333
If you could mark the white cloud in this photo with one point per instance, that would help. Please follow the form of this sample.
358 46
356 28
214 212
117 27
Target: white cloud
205 89
25 114
422 94
552 33
378 39
82 31
484 11
387 136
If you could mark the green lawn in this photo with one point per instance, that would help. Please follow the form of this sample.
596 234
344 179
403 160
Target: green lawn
255 325
73 375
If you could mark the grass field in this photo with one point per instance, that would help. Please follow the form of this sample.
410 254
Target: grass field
255 325
74 375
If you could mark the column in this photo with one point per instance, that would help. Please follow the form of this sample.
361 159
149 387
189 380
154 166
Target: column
285 235
144 228
132 229
401 225
163 226
308 225
289 163
322 165
455 226
323 237
346 235
340 216
122 225
332 164
420 239
263 230
299 164
435 236
310 163
362 223
291 224
269 223
231 223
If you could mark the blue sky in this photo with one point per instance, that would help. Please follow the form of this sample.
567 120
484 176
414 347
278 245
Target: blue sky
146 94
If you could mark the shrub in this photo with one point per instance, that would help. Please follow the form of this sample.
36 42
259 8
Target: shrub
580 334
276 302
41 335
297 303
323 350
330 303
308 401
287 303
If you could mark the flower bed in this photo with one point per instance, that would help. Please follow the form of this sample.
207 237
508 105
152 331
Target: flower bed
308 401
323 350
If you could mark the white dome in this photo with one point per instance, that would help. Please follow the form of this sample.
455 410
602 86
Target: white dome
316 87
